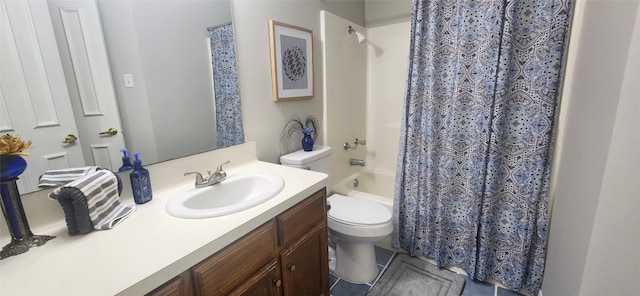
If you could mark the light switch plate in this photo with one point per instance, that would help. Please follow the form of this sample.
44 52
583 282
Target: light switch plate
128 80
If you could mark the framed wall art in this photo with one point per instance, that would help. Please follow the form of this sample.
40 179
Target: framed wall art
291 61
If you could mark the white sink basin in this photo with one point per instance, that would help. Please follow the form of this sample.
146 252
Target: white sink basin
236 193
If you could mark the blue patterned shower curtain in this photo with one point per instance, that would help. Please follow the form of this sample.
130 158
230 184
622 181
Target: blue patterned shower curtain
477 132
226 89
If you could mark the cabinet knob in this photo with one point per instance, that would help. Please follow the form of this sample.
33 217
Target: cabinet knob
278 283
292 268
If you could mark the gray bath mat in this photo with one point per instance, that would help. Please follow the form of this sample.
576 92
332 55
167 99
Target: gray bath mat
412 276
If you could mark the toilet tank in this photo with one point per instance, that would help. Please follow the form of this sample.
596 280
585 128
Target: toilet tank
318 160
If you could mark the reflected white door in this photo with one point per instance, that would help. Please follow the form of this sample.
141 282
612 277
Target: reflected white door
34 101
86 66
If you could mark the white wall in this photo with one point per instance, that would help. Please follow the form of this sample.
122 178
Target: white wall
594 238
264 119
388 12
387 58
617 218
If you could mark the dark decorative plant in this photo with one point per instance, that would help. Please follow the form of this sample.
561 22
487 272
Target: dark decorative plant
294 125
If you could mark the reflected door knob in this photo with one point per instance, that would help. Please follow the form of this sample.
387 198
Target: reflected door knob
278 283
292 268
110 132
69 139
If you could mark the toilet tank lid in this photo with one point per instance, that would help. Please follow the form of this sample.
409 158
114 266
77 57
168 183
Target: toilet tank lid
304 157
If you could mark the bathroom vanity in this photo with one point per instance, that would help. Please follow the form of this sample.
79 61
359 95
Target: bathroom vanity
278 247
285 256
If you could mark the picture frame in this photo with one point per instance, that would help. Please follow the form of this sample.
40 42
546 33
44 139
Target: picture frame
291 61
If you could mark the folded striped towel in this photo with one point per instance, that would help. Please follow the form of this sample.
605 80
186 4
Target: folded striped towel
52 178
92 202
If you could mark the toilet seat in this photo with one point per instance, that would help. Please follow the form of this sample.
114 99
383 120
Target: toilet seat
355 210
358 217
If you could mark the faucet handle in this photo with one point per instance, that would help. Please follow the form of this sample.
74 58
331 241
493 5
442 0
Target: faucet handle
219 169
199 178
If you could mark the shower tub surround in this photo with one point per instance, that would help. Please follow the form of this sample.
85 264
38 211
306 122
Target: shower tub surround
150 247
376 185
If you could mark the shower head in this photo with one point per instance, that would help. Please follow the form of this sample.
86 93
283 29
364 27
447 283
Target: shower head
360 36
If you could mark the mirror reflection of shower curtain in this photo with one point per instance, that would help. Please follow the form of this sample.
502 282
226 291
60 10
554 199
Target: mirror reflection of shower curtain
225 84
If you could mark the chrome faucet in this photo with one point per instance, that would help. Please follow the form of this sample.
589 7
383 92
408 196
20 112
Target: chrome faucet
211 179
356 142
354 161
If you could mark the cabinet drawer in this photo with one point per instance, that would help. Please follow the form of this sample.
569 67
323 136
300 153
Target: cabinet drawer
302 217
228 268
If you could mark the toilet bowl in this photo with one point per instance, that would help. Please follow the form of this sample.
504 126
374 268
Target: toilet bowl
355 225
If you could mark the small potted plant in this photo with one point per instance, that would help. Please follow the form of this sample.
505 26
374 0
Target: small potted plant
308 128
11 151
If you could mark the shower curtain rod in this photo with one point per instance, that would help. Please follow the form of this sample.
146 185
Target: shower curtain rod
218 26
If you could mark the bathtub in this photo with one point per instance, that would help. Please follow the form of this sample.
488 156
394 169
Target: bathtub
375 185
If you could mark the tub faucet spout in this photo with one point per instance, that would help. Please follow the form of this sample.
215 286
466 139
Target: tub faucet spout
354 161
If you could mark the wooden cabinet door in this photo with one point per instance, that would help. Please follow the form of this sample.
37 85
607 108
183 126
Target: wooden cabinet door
266 282
178 286
305 269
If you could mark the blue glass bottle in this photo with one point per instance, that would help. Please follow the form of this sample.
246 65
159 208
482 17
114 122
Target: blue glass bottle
140 182
126 162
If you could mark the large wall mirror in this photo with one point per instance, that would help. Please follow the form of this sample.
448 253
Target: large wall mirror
150 58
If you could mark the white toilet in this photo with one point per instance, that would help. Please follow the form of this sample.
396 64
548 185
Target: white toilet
355 224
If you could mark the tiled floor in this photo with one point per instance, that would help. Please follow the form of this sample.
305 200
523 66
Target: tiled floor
340 287
384 258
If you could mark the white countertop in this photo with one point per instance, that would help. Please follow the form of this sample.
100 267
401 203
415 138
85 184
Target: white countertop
148 248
